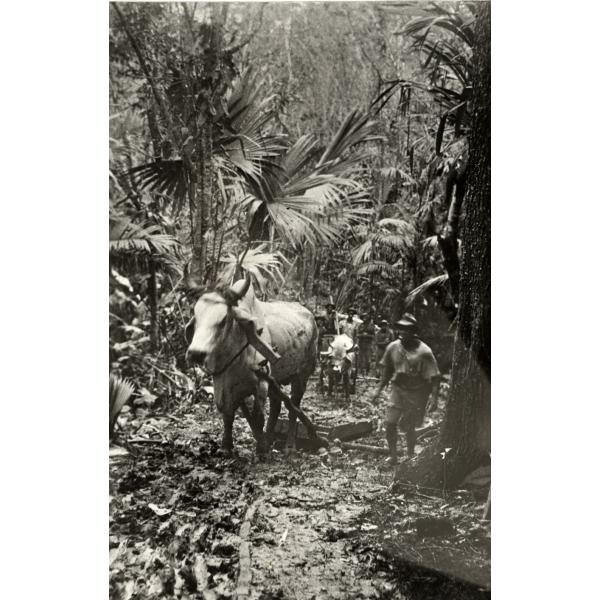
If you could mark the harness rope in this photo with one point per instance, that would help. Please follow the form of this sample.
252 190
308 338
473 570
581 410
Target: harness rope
215 373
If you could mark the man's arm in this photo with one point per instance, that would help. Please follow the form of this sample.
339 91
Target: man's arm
386 375
434 394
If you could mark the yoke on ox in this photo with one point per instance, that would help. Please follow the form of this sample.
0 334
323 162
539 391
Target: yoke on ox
232 335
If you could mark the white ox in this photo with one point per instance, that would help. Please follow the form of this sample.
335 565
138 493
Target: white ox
232 334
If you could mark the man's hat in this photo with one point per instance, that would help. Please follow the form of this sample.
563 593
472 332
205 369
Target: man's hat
330 304
407 322
383 322
352 310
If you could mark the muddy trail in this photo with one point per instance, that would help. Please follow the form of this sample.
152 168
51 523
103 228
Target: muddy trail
187 522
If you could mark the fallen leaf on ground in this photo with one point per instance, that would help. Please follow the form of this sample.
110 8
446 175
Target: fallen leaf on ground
157 510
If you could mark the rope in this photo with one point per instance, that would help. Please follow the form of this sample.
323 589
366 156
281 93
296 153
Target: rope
216 373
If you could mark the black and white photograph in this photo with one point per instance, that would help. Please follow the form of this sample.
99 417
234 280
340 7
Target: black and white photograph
299 300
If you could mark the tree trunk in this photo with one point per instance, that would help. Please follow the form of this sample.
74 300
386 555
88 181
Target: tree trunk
153 304
464 442
466 428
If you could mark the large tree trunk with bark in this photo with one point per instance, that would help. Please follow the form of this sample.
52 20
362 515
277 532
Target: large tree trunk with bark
466 429
464 442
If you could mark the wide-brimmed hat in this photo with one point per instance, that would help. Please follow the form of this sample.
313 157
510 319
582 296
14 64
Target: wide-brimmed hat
330 304
352 310
383 322
407 323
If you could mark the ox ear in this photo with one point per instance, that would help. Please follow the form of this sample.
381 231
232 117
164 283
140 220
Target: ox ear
189 330
248 324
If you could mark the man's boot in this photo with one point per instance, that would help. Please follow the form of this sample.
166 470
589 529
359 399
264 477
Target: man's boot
391 435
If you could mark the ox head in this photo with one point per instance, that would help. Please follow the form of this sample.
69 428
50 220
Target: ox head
220 328
339 360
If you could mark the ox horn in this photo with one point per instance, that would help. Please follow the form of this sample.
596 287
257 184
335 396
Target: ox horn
239 295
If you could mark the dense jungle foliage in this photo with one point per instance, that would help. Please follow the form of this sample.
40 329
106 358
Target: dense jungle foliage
322 148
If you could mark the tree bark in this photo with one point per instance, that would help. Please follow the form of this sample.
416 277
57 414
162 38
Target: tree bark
466 429
202 209
464 442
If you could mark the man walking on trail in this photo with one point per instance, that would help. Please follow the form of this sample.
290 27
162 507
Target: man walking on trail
383 337
348 326
411 367
366 333
321 319
330 318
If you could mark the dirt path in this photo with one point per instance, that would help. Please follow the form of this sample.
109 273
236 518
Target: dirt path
299 546
179 513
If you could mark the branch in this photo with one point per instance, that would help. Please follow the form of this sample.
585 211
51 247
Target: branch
448 239
157 96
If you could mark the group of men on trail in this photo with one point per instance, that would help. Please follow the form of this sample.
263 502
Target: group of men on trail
403 360
364 332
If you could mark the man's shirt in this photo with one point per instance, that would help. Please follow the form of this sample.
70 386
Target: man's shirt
349 328
366 332
383 337
410 370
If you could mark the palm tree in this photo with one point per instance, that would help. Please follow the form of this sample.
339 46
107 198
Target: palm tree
221 136
301 193
135 246
448 61
264 267
314 194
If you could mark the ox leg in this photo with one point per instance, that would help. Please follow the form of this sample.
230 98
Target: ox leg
256 420
274 410
298 388
262 441
346 384
227 443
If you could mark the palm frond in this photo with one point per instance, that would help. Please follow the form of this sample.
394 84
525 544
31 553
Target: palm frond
433 283
362 253
396 224
169 177
242 145
119 391
264 267
300 154
126 237
378 267
392 241
430 242
315 202
393 172
457 23
357 128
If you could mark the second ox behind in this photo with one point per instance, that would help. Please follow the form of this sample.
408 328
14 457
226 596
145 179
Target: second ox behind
232 335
